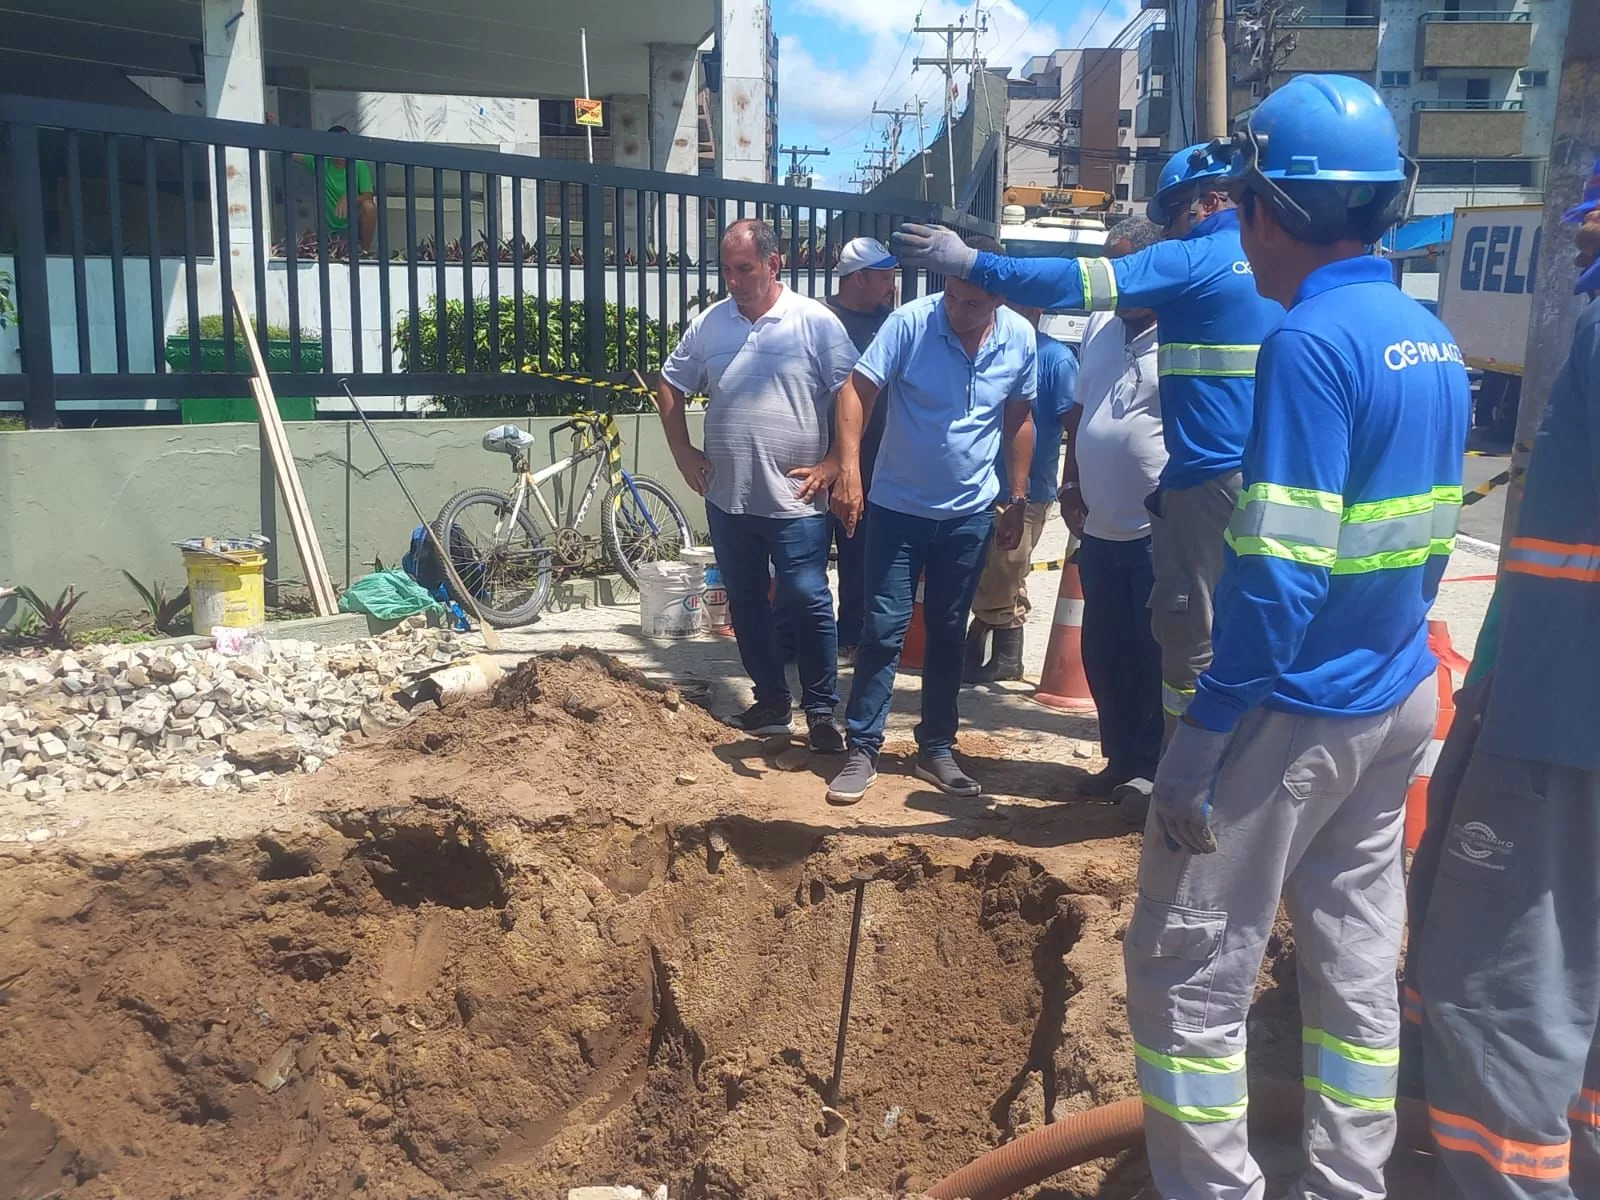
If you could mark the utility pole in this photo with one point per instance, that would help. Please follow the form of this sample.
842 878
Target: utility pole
1214 37
892 135
797 154
947 64
1555 308
922 148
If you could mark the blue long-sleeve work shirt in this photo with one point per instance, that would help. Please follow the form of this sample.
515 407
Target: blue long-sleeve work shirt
1352 479
1212 323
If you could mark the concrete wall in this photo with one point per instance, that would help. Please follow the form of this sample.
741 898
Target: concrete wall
81 505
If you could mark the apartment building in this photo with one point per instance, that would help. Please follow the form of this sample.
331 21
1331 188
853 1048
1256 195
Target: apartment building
1070 123
1471 83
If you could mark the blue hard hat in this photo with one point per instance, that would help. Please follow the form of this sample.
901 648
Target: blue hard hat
1328 128
1183 168
1322 150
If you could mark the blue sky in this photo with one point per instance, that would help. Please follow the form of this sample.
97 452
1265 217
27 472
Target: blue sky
839 57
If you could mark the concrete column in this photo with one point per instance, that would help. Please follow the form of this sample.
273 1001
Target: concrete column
675 125
630 147
743 27
236 91
296 109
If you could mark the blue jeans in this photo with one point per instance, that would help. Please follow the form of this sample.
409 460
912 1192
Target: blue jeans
948 556
852 580
1120 655
798 549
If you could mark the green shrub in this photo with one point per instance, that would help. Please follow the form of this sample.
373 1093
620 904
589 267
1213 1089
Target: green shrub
564 325
211 327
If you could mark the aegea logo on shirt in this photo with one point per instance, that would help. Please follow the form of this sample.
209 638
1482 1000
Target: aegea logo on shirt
1400 355
1243 268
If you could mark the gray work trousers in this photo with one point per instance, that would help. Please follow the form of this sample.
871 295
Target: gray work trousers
1186 529
1310 809
1508 976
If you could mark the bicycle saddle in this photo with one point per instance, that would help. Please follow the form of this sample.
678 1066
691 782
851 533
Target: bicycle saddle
507 439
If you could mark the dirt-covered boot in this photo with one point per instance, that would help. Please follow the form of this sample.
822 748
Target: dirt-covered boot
973 668
1007 660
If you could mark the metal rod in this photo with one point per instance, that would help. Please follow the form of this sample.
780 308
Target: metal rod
583 50
849 987
490 637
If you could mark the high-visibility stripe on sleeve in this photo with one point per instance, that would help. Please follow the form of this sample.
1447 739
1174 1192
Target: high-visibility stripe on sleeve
1360 1076
1197 358
1099 284
1411 1003
1175 700
1586 1109
1447 503
1196 1091
1525 1160
1296 524
1317 529
1577 562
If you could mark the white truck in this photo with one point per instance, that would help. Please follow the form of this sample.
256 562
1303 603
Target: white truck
1054 237
1486 300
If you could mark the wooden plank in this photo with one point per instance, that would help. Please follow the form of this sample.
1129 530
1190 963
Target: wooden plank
294 498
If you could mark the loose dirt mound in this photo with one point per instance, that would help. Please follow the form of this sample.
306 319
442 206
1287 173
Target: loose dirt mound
450 997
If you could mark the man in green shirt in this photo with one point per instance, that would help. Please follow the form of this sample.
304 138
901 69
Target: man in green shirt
336 200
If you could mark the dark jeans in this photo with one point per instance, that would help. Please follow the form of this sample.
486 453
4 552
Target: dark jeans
852 580
948 556
1120 655
798 548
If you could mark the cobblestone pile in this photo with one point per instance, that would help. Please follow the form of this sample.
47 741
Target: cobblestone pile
104 717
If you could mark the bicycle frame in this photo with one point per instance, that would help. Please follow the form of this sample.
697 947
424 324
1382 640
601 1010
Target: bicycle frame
528 482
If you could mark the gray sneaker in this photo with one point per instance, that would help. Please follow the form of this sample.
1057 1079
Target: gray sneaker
860 772
941 771
1133 800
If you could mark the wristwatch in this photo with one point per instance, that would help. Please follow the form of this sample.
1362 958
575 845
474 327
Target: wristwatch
1016 500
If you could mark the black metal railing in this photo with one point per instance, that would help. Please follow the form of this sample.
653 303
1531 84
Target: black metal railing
468 272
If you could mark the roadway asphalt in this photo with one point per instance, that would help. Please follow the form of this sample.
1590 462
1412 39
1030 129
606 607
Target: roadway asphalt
1482 520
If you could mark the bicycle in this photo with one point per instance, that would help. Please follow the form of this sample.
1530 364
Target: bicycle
509 561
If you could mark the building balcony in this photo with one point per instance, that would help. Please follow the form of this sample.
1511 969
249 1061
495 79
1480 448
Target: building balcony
1466 128
1155 50
1344 44
1488 39
1153 116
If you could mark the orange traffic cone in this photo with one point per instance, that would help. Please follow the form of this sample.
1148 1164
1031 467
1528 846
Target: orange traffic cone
1062 683
1417 793
916 643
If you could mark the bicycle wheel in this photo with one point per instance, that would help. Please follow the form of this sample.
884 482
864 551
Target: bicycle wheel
642 524
506 570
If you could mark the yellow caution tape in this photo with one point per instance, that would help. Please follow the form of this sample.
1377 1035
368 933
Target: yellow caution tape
1473 495
587 381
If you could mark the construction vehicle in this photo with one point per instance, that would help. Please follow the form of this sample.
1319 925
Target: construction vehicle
1067 226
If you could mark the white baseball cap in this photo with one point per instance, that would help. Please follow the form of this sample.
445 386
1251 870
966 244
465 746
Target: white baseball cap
864 254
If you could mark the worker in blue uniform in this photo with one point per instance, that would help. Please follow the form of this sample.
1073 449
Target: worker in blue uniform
1212 320
1504 971
1287 776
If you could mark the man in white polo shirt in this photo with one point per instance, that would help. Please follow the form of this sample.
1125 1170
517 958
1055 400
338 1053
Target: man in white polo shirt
770 362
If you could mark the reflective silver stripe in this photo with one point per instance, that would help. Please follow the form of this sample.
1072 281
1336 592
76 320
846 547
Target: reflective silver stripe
1190 358
1099 284
1446 516
1409 532
1175 701
1286 522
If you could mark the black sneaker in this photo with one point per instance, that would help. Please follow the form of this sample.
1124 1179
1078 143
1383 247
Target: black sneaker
860 771
941 771
1133 801
826 736
761 719
1102 785
847 656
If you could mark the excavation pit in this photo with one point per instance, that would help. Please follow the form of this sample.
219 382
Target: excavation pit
414 1004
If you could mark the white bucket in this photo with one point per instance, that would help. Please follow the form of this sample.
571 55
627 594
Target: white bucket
717 618
671 599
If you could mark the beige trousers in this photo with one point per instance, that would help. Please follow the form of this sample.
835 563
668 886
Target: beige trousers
1002 599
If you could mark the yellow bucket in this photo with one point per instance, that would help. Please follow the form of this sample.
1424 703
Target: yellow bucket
225 593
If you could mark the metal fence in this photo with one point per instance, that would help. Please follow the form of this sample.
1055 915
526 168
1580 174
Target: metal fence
469 272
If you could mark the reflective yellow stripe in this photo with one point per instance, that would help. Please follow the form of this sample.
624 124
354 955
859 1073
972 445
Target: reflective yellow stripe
1363 1077
1316 529
1099 284
1311 556
1197 358
1175 700
1195 1091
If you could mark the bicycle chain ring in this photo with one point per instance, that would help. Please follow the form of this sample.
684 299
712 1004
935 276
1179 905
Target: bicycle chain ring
571 546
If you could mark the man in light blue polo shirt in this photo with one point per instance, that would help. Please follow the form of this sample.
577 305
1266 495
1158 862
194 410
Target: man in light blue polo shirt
965 373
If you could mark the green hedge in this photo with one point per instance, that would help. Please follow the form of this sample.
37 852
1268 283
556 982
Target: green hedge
564 325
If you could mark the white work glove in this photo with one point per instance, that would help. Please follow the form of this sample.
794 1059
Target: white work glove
938 249
1185 781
